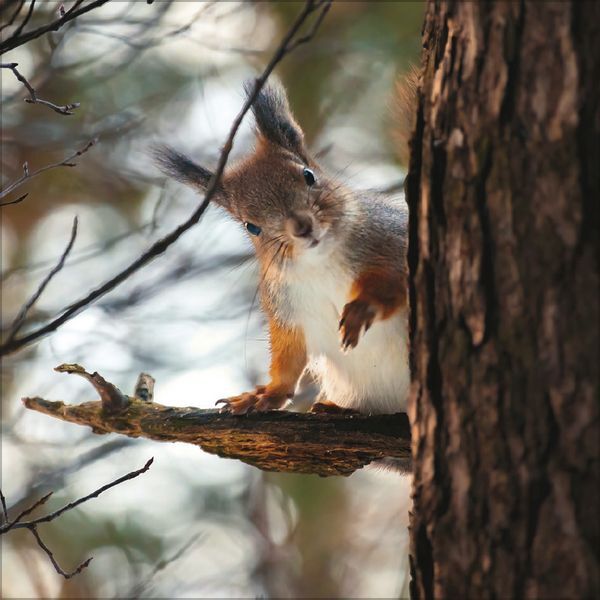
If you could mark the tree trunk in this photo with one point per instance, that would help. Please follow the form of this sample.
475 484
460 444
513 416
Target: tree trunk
503 192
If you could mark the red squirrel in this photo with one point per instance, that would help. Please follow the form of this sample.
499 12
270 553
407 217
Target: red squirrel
333 274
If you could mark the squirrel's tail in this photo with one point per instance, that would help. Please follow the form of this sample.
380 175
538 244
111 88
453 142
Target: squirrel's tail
402 466
405 111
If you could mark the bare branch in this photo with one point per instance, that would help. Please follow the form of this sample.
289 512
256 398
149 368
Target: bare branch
32 525
9 525
140 588
71 505
325 5
18 38
325 444
27 175
86 253
74 7
4 510
20 4
20 318
56 566
19 199
55 477
25 20
161 245
66 109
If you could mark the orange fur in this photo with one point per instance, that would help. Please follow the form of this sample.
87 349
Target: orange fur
376 294
382 288
288 357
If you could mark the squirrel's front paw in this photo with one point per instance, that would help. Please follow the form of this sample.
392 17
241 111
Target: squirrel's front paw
356 315
260 400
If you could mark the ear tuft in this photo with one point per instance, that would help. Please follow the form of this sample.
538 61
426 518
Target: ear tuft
180 167
274 118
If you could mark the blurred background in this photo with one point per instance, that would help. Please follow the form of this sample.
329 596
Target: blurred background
195 525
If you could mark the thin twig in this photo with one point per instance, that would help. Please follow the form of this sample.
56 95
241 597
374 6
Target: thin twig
161 245
326 5
19 199
4 509
20 318
6 5
72 505
20 28
140 587
14 15
56 566
18 40
85 253
27 175
65 109
32 525
9 525
74 7
56 477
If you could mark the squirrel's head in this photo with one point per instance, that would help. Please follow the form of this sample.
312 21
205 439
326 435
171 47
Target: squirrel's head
280 195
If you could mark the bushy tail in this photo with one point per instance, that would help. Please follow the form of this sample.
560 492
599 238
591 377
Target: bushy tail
402 466
405 111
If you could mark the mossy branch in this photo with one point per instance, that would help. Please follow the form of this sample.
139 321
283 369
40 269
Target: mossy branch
324 444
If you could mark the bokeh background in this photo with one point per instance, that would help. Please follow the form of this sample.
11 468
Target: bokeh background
195 525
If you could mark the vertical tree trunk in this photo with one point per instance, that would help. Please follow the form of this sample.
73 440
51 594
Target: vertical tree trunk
503 191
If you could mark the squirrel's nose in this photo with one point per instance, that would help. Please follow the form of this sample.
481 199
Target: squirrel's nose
301 226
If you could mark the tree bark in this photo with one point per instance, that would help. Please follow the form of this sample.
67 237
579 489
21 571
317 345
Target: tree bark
503 194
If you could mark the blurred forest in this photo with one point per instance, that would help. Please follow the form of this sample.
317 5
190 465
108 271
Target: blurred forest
195 525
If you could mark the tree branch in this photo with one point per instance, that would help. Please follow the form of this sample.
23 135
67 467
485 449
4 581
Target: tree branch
20 28
27 175
18 524
20 318
10 21
18 39
323 444
66 109
4 509
50 555
32 525
17 201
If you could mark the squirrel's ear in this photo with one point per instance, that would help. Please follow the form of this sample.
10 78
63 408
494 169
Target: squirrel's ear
274 118
184 169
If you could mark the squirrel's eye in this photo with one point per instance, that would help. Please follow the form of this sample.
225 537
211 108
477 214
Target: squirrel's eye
252 228
309 176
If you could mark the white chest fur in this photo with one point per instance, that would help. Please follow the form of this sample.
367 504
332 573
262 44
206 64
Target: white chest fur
374 376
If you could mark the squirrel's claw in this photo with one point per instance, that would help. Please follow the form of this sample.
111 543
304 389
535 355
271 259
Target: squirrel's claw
356 315
260 400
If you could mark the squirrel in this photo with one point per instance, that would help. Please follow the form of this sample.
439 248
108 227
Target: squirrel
333 271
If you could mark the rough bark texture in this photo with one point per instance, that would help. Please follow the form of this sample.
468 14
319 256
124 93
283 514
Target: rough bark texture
322 444
503 192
